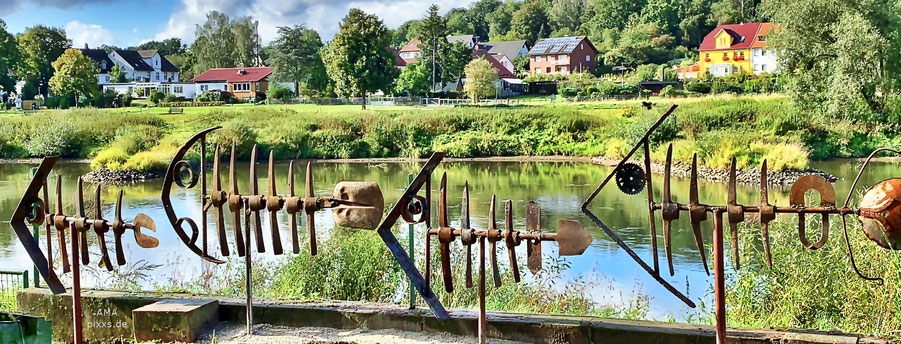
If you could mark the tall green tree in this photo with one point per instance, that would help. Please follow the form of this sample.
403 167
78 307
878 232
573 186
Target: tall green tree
294 57
530 22
565 17
358 59
641 43
602 15
74 74
499 20
454 58
405 33
433 39
247 42
116 74
477 16
458 22
480 80
214 43
9 58
844 56
414 79
39 47
168 46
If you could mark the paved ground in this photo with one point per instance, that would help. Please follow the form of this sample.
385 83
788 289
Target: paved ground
228 333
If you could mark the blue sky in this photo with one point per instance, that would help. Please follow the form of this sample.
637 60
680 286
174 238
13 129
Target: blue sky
130 22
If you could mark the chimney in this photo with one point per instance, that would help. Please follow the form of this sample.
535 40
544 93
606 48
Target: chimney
86 46
242 71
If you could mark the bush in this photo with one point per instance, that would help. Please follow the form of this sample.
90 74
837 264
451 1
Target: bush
279 92
111 158
58 137
698 86
156 97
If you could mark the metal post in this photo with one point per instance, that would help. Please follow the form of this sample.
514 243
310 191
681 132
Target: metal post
719 276
203 190
35 230
76 289
412 250
249 276
483 316
25 279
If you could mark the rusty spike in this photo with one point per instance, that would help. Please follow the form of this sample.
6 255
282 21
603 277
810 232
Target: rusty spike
47 226
511 238
61 225
465 226
697 212
218 198
736 214
670 210
81 227
101 226
445 236
309 204
118 227
653 222
493 238
255 202
767 214
235 203
533 247
292 211
273 205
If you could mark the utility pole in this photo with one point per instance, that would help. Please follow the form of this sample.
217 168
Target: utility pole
434 47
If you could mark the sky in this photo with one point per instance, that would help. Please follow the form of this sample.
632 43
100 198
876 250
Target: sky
130 22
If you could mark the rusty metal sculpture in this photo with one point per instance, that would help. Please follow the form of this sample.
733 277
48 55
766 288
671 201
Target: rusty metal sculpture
879 213
35 210
353 204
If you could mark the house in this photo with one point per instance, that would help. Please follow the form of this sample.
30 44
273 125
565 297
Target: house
506 52
101 62
687 72
185 90
243 83
468 40
144 65
507 84
410 53
563 55
731 49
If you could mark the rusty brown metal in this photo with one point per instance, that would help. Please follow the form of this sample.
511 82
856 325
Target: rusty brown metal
357 205
101 226
256 202
880 213
77 318
292 206
80 225
273 205
827 199
494 235
736 215
512 239
445 236
533 246
670 210
218 198
59 221
719 276
767 213
467 237
697 212
118 228
235 203
652 219
310 207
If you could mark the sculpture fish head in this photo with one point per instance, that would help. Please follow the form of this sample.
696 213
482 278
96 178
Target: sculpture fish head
880 213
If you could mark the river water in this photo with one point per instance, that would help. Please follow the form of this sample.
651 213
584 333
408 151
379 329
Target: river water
559 187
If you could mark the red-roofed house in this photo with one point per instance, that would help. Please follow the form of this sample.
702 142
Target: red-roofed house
729 49
243 83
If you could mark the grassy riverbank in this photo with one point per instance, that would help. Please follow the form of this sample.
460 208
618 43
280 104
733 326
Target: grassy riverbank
752 128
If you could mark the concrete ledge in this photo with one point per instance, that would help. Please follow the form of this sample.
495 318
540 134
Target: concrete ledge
174 320
510 326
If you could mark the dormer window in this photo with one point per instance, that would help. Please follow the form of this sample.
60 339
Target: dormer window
761 38
102 64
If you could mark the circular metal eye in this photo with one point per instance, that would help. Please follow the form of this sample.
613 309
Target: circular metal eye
415 207
630 178
184 172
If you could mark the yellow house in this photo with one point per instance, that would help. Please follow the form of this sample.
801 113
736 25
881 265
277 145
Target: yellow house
727 49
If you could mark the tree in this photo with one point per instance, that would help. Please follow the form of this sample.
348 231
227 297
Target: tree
641 43
477 16
405 33
74 75
458 22
247 42
414 79
530 22
565 16
480 80
294 56
454 58
39 47
432 36
214 43
358 59
499 20
116 74
601 15
166 47
845 57
9 58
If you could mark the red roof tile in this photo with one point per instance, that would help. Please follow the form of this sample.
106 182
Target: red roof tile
232 75
765 29
502 71
412 45
742 36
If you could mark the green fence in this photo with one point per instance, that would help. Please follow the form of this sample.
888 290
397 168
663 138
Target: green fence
10 283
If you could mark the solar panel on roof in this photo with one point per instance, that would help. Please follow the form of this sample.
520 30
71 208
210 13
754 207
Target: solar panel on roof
556 48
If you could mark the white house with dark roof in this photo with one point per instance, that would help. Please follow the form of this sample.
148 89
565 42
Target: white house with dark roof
506 51
145 65
101 61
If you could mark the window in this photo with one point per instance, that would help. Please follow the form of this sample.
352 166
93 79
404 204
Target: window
582 46
587 58
537 70
157 75
537 58
241 87
178 89
550 58
763 53
561 57
549 70
107 78
562 69
257 86
204 88
707 55
763 67
761 38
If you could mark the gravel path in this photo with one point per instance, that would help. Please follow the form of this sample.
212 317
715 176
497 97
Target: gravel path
229 333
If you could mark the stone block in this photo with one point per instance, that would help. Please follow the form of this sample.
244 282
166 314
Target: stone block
174 320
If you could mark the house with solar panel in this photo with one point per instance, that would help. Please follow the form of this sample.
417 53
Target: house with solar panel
563 55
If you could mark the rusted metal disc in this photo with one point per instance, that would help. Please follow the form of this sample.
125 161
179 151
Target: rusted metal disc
184 172
880 213
630 178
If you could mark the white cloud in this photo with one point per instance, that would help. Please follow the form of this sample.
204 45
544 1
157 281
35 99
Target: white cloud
321 15
91 34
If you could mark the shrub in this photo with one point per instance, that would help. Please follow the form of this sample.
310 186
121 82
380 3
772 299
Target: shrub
111 158
156 97
698 86
279 92
237 132
59 137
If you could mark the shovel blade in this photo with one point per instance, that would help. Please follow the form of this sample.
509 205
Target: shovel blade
144 240
572 238
367 204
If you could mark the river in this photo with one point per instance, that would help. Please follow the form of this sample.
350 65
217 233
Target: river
559 188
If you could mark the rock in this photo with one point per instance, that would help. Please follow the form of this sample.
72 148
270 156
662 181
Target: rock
106 176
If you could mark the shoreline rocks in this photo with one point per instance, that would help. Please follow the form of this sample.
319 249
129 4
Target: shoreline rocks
118 177
746 176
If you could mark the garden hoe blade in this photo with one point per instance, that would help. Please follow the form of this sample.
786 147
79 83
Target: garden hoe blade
80 225
310 206
493 238
445 236
533 246
511 238
100 228
143 240
767 214
273 205
61 225
218 198
255 202
292 206
669 210
466 232
235 203
653 221
118 227
572 238
697 212
736 215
